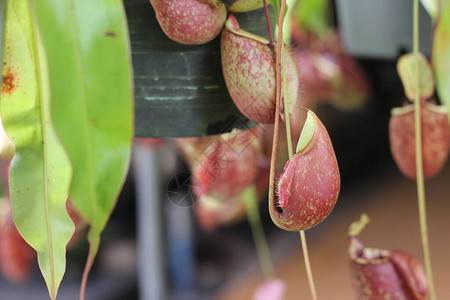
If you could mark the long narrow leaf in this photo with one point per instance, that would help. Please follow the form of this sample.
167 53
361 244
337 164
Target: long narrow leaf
2 29
87 43
40 172
441 54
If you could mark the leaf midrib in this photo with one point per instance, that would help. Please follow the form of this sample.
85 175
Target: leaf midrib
46 169
34 52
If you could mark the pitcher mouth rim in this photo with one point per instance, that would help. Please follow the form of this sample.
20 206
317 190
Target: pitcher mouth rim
372 256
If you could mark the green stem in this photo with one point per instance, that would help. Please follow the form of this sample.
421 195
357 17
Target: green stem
87 269
262 247
419 162
287 109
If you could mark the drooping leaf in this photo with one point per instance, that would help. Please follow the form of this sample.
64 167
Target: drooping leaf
441 55
40 172
431 6
406 71
88 49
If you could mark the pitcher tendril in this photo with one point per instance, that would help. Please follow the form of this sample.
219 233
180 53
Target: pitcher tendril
269 26
280 87
419 162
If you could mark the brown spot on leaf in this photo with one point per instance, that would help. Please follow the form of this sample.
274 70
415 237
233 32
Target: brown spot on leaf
10 82
110 34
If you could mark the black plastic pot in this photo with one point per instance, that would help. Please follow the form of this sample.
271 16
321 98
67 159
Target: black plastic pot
179 89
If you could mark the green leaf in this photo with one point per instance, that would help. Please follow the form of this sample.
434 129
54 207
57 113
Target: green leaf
406 71
40 172
441 55
2 29
431 6
87 43
312 16
287 21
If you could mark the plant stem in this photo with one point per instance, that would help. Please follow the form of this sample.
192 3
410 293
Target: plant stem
281 72
419 162
312 286
262 248
273 159
87 269
287 109
276 126
269 27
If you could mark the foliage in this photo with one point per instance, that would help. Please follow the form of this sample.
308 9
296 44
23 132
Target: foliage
40 171
440 54
67 104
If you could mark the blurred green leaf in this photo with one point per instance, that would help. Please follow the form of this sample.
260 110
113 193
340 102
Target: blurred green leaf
87 42
40 172
312 16
441 54
250 200
406 71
